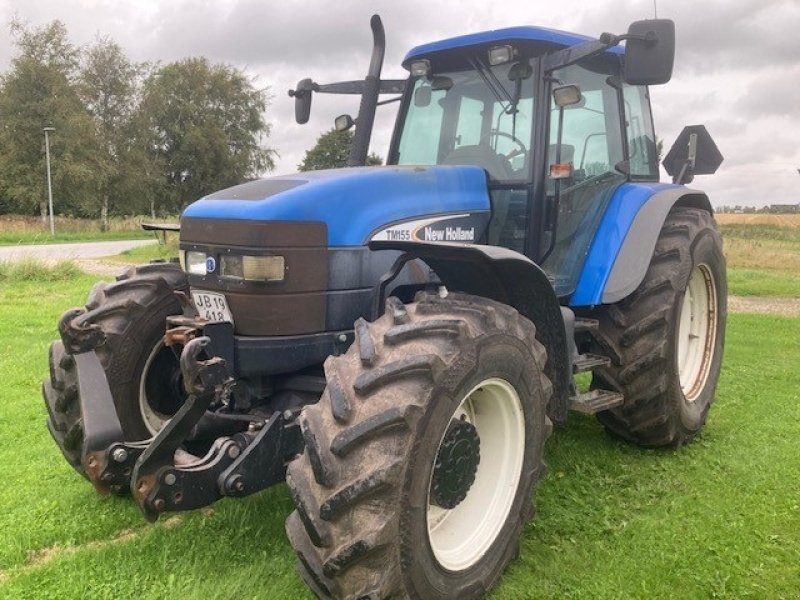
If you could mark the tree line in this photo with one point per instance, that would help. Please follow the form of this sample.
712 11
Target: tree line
129 138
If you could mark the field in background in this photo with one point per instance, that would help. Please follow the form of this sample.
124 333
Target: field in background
763 253
718 518
763 250
31 230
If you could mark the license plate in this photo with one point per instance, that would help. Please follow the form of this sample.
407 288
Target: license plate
212 307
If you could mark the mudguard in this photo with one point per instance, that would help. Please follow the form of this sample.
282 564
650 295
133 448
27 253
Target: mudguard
509 277
620 252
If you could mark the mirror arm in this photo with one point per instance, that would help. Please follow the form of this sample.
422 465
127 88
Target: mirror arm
569 56
691 158
387 86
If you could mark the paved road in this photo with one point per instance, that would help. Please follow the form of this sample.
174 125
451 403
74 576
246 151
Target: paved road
77 250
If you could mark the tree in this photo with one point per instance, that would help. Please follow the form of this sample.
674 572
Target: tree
332 151
109 84
208 126
38 91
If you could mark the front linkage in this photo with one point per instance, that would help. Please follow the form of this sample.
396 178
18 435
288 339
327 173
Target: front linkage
160 474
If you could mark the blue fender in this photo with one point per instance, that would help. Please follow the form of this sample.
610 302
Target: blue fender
623 245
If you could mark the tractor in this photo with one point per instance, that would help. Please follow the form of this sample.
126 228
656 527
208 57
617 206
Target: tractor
396 343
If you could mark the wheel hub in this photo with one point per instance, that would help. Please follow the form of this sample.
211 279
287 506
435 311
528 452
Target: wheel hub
456 464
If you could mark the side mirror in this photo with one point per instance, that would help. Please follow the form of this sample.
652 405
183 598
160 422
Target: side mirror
649 52
302 100
567 95
422 96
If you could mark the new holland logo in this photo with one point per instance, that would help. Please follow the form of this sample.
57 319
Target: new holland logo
211 264
448 234
439 229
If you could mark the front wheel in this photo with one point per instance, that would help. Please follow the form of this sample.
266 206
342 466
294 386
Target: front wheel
143 375
422 455
666 340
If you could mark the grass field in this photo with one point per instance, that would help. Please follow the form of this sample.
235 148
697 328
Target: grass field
763 253
30 230
719 518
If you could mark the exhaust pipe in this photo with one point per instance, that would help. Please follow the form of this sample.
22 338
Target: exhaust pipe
369 97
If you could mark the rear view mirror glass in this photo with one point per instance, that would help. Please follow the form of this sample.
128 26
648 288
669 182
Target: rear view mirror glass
302 100
649 52
422 96
567 95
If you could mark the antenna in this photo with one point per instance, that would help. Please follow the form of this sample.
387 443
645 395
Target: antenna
655 9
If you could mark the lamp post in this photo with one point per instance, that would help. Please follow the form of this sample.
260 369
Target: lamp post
47 130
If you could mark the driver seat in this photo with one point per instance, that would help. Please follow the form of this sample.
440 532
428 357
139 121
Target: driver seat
480 155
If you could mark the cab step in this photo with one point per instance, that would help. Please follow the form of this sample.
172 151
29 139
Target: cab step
594 401
587 362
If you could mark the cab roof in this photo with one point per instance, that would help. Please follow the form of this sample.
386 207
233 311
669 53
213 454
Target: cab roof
526 35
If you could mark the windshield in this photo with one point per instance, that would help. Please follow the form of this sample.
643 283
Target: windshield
481 116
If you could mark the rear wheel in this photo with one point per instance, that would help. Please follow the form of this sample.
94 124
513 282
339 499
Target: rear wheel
422 454
666 340
143 375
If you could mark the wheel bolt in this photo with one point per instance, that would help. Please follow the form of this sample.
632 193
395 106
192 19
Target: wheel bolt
169 479
120 455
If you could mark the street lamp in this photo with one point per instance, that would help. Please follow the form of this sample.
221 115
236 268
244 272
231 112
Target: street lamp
49 181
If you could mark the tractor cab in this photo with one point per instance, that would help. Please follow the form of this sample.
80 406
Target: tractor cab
555 141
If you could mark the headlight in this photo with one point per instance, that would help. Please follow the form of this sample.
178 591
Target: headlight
253 268
196 263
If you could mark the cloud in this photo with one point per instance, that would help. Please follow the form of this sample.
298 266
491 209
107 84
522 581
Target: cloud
737 66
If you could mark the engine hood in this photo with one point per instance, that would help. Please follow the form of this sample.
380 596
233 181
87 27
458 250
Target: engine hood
354 203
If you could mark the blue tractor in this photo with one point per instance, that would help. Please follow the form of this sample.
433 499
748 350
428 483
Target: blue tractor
397 342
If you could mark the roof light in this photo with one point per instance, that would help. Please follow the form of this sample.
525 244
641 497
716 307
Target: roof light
420 68
343 123
500 54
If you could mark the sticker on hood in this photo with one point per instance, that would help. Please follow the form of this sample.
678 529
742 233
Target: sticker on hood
465 228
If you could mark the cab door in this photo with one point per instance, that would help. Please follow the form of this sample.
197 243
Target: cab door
591 143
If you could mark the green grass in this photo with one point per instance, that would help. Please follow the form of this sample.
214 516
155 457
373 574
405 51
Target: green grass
760 231
763 259
761 282
24 239
145 254
22 230
719 518
30 269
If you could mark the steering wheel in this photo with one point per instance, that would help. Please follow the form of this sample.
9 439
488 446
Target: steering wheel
522 149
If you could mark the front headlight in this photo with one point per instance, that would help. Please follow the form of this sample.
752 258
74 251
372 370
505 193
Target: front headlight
253 268
196 262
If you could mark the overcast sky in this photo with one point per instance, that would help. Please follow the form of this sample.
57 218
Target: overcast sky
737 67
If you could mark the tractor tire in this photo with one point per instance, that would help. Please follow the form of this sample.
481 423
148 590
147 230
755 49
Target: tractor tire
422 455
131 312
666 339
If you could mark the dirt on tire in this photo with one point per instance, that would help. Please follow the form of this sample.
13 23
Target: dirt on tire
640 335
358 528
131 313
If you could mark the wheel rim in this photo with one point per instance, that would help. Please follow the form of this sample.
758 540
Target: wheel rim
160 388
460 536
697 332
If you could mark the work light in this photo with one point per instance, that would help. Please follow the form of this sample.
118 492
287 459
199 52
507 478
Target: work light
500 54
420 68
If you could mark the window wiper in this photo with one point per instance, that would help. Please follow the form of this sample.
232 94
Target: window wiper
494 85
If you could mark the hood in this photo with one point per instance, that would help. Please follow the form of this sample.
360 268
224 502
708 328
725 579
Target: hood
353 202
